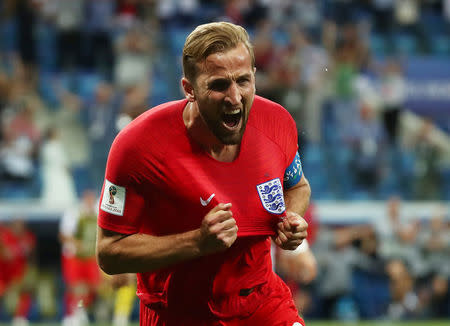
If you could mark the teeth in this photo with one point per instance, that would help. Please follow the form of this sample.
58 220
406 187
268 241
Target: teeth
233 112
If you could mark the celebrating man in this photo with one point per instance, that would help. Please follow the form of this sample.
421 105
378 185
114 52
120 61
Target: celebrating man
202 185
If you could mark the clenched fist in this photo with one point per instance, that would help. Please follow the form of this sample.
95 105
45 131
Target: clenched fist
218 230
291 231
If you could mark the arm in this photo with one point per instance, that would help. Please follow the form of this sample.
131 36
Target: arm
292 229
137 253
297 197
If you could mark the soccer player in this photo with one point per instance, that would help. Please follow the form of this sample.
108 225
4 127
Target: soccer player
195 189
79 267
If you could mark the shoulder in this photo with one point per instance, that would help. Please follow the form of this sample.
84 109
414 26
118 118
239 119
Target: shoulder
271 118
267 114
274 123
146 138
155 126
154 119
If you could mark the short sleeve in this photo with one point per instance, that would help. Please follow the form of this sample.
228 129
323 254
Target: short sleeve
291 139
122 203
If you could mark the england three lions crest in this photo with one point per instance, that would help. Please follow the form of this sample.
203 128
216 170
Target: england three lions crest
271 195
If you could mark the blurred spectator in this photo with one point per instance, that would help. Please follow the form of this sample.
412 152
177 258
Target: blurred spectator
315 69
19 250
69 120
366 138
100 117
26 16
180 12
69 20
18 148
398 238
134 61
125 295
446 11
57 184
16 163
134 103
336 256
404 304
435 243
383 16
345 71
406 12
99 28
393 94
79 266
427 159
127 13
307 13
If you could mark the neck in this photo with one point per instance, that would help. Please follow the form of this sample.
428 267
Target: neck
201 134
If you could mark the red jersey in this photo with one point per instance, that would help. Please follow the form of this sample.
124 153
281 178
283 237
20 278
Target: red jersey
16 250
158 181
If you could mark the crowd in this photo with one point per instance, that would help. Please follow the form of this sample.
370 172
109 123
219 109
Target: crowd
73 73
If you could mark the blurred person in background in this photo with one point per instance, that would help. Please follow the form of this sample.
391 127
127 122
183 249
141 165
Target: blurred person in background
336 257
18 148
98 33
19 248
227 277
68 15
116 296
366 138
404 301
133 64
404 263
79 267
315 69
58 187
125 295
26 17
72 133
393 95
427 160
398 234
100 116
434 241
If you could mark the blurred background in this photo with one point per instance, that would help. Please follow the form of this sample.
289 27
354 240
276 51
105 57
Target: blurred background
368 83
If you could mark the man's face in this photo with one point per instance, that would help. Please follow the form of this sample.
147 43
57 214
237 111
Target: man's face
224 91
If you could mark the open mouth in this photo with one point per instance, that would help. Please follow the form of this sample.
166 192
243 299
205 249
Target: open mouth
231 119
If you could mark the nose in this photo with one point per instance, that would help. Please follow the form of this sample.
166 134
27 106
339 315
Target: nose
234 96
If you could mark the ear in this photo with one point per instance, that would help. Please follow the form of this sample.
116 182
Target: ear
188 89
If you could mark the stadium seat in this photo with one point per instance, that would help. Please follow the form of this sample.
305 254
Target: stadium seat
176 36
440 45
405 44
8 38
86 84
46 48
378 45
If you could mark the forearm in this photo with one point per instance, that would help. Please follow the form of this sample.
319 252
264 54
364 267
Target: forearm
297 197
137 253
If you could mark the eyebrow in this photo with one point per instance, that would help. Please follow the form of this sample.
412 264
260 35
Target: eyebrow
224 79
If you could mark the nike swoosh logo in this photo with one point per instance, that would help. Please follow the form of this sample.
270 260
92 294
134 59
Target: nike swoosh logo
206 202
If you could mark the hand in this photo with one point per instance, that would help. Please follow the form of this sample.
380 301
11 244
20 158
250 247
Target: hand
218 230
291 231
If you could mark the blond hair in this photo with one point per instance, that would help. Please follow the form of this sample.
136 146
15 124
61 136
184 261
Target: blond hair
211 38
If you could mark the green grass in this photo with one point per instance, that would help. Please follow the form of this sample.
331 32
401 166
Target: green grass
313 323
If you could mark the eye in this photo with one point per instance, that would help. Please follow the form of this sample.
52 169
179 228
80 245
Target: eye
219 85
243 80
